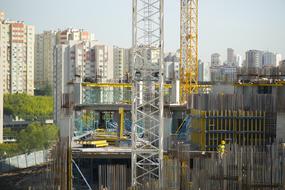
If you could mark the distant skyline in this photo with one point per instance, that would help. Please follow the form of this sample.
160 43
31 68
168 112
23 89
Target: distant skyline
241 25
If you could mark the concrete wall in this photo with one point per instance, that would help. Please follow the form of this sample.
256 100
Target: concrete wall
66 124
281 125
223 89
281 99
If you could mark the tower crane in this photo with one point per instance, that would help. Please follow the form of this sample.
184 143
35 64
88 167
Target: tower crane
188 49
147 92
148 82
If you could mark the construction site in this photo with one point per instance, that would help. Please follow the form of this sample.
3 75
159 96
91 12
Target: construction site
150 133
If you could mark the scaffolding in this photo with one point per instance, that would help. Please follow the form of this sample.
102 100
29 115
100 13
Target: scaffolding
236 119
106 95
114 93
241 127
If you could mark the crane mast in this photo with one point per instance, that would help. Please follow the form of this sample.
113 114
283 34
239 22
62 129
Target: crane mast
188 49
147 92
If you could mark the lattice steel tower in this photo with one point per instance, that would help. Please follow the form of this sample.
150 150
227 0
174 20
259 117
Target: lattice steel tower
188 49
147 92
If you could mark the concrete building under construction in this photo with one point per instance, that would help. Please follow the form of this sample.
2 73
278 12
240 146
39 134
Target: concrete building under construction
145 133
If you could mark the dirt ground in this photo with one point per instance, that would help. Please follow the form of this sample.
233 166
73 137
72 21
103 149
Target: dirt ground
30 178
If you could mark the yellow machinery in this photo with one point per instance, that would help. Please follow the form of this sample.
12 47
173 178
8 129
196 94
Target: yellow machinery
96 143
122 122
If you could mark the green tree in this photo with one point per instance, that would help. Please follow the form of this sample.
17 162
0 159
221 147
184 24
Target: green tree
47 91
9 133
51 135
7 150
30 108
37 136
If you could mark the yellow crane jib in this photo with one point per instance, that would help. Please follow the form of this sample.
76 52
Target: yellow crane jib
115 85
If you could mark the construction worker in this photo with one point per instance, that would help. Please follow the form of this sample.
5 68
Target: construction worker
221 148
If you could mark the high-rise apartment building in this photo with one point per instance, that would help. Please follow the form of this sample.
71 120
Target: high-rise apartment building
278 59
118 63
44 44
282 67
231 57
128 62
80 61
171 67
215 74
239 61
215 59
121 63
223 73
104 65
72 34
201 71
1 97
226 72
2 16
253 61
17 44
171 74
269 59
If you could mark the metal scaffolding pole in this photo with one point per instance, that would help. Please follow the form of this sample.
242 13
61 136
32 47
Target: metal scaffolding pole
147 99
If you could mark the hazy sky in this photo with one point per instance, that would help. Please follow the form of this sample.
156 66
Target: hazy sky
239 24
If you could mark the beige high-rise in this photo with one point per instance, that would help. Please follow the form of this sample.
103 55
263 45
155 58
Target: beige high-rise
17 55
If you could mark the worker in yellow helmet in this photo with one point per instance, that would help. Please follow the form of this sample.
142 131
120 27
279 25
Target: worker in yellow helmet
221 148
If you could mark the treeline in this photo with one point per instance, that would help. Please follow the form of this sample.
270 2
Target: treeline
35 137
29 108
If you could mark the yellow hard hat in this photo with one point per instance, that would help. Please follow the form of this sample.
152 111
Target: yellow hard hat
223 142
